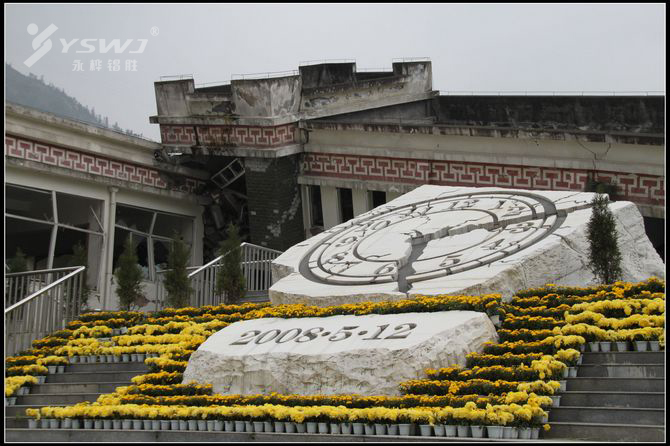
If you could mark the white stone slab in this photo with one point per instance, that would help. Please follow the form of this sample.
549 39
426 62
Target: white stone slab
449 240
367 355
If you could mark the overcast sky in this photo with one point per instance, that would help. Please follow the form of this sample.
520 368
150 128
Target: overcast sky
492 47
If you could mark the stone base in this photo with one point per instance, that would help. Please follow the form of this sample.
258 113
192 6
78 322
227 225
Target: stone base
366 355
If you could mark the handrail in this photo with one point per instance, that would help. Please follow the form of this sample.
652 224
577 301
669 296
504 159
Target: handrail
242 245
176 77
212 83
45 289
255 265
39 271
375 70
265 75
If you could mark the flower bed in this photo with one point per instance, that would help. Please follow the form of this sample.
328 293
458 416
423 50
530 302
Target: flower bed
508 384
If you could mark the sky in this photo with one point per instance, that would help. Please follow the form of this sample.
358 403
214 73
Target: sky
480 47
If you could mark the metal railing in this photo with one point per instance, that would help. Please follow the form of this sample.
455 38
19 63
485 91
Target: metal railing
40 302
375 70
256 268
304 63
176 77
411 59
265 75
553 93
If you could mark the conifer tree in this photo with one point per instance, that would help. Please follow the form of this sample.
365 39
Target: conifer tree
176 282
128 278
80 258
18 263
229 279
604 254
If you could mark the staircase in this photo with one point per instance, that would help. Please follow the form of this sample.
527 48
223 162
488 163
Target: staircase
617 396
229 174
80 382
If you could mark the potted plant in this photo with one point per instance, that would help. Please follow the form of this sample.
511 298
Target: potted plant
405 423
639 341
477 420
357 424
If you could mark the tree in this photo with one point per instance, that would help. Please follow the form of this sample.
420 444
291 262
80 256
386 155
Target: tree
80 258
230 280
604 255
176 278
18 263
128 278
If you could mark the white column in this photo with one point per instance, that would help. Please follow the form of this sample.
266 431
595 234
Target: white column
109 270
54 232
198 235
306 211
361 199
330 205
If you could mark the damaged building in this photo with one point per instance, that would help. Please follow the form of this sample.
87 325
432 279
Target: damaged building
286 156
293 154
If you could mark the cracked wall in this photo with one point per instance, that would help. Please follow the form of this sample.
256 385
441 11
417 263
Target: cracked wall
275 217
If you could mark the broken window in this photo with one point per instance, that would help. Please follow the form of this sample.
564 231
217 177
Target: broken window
151 234
33 238
28 202
346 204
377 198
315 205
48 238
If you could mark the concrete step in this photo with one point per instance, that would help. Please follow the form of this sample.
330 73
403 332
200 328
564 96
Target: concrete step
141 436
653 400
55 399
107 367
615 384
16 423
623 358
605 432
18 410
621 370
67 388
255 298
607 415
89 377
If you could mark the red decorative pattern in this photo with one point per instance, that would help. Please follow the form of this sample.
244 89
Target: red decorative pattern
93 164
638 188
219 135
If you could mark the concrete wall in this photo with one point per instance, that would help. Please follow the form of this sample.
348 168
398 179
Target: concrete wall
340 156
411 82
266 98
319 90
171 97
634 114
327 74
647 159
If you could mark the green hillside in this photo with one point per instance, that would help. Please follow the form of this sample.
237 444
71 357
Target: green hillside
31 91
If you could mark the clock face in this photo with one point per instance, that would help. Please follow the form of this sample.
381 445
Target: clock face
430 239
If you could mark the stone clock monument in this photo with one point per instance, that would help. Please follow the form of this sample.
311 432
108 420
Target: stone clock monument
433 240
447 240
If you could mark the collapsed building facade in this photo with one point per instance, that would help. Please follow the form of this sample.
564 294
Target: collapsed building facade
286 157
293 155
